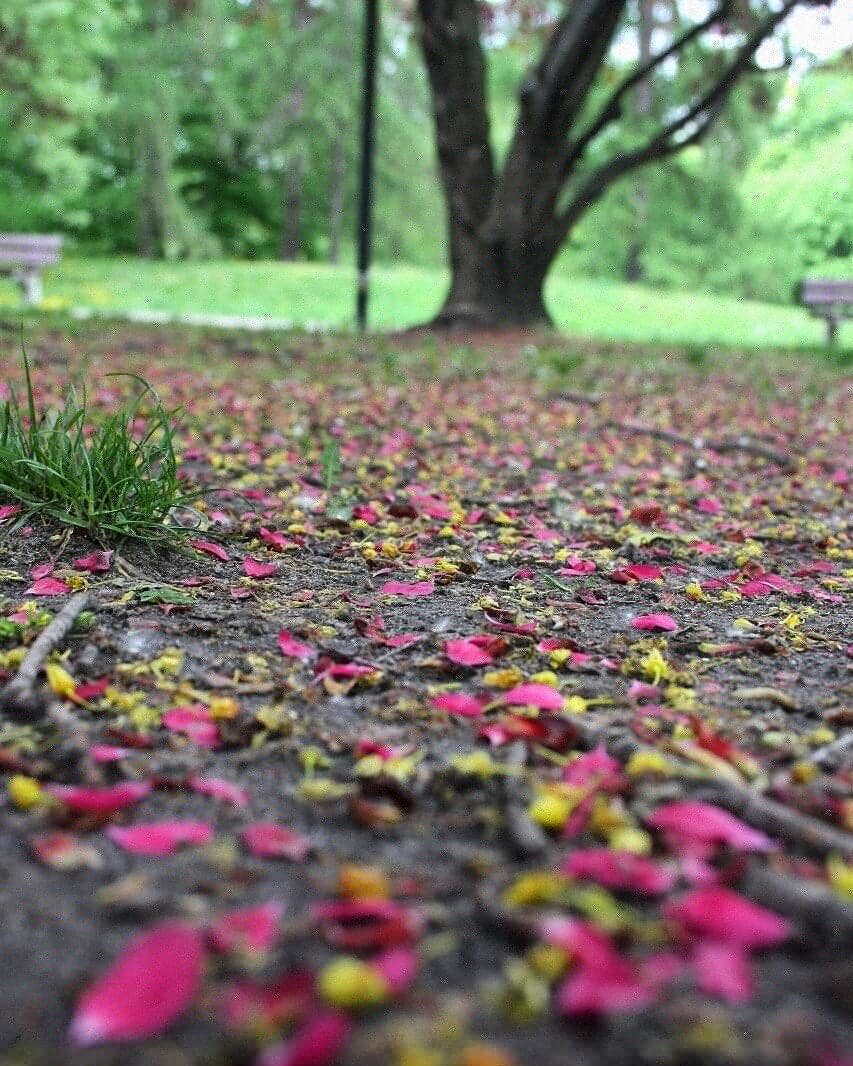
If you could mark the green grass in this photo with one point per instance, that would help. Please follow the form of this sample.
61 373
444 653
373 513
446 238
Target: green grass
308 293
117 477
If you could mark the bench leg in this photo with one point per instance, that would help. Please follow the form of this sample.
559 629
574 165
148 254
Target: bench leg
831 331
30 282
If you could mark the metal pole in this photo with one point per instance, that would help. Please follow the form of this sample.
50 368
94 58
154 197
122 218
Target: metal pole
368 139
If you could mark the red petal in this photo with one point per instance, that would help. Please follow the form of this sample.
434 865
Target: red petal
294 649
620 870
410 590
663 622
96 563
692 826
145 990
466 653
247 929
160 838
723 970
317 1043
209 548
99 800
267 840
459 703
220 789
48 586
535 694
720 914
253 568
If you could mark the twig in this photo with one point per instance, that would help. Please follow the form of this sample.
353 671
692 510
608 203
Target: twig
593 399
806 901
20 697
745 444
778 820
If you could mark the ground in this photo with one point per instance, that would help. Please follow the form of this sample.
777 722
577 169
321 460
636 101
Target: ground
539 655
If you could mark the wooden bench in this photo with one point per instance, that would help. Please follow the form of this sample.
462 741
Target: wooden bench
23 256
829 299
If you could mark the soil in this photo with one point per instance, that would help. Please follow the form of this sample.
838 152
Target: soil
509 484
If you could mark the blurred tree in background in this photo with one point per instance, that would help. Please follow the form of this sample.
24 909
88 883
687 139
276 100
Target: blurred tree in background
202 128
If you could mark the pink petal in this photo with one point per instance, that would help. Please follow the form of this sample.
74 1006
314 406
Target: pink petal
619 870
277 541
8 510
160 838
317 1043
90 690
48 586
637 572
247 1003
103 801
247 929
618 988
594 769
663 622
268 840
690 823
723 970
145 990
466 652
459 703
253 568
720 914
209 548
367 924
534 694
220 789
104 753
398 967
583 941
194 721
410 590
294 649
96 563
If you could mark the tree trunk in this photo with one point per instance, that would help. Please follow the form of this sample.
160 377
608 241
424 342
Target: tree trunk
290 246
635 269
336 198
489 289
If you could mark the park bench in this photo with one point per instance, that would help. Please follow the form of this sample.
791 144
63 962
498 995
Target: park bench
829 299
23 256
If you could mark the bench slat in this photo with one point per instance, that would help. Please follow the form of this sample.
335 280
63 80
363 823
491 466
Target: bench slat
29 249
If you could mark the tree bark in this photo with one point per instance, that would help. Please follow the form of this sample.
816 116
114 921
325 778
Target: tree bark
336 198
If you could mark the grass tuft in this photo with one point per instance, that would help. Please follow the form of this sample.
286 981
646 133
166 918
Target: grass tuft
117 477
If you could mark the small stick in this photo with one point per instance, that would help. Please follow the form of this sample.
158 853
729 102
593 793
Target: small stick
777 820
20 697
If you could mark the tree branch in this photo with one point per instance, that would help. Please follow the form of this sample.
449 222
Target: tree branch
667 141
612 109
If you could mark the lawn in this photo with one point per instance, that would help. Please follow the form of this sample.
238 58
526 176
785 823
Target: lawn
318 294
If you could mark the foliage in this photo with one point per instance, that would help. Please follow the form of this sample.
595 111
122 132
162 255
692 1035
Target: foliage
118 477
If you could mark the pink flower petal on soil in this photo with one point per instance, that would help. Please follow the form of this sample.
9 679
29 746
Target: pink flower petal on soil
96 563
277 541
253 929
209 548
367 924
105 753
160 838
594 769
411 590
254 568
637 572
247 1003
459 703
466 652
293 648
692 826
8 510
102 801
220 789
318 1043
48 586
619 870
659 622
398 968
194 721
720 914
583 941
534 694
724 970
150 985
91 690
268 840
619 988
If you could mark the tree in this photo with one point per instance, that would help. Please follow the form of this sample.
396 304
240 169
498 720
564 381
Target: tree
507 224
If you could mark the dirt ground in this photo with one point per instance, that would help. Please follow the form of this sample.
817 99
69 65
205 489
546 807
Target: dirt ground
496 632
